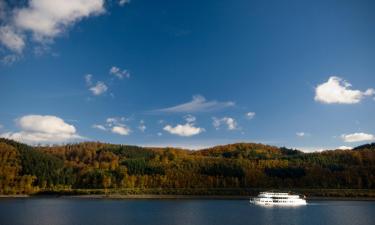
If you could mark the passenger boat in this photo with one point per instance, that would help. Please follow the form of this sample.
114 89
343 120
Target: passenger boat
278 199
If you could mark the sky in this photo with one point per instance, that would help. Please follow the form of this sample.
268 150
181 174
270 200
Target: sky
188 74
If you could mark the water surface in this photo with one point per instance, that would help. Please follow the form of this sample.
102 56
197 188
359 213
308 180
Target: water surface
60 211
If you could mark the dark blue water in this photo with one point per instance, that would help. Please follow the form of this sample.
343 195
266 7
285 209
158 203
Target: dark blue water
57 211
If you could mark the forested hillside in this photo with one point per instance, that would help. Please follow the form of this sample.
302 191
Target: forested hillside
91 165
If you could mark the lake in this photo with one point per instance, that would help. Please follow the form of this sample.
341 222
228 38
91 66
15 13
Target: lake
65 211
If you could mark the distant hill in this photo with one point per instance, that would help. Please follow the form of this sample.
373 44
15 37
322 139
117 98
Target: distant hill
247 151
101 166
365 147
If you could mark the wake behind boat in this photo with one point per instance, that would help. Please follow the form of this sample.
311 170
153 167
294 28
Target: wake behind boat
278 199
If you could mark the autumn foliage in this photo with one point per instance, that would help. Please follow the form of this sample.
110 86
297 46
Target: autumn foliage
92 165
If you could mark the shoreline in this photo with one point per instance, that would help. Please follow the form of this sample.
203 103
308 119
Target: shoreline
175 197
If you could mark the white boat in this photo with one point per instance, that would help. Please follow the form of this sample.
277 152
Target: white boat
278 199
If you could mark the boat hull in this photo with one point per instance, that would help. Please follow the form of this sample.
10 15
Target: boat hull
289 204
278 199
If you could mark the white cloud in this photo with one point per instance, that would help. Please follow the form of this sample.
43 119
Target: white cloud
43 19
99 88
190 118
228 121
123 2
119 73
98 126
114 125
337 90
197 104
10 59
345 147
39 129
357 137
185 130
142 127
121 130
46 19
88 79
11 39
250 115
302 134
369 92
48 124
111 121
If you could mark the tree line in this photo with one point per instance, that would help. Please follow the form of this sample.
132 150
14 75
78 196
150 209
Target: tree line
93 165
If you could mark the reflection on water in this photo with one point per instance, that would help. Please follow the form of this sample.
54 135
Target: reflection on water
55 211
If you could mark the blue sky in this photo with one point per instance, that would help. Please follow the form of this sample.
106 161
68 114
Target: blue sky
188 73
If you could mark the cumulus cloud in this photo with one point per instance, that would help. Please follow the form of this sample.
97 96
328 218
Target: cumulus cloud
302 134
47 19
345 148
99 89
119 73
11 39
228 121
197 104
337 90
190 118
184 130
115 125
121 130
142 127
111 121
41 21
250 115
10 59
49 124
357 137
40 129
88 79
